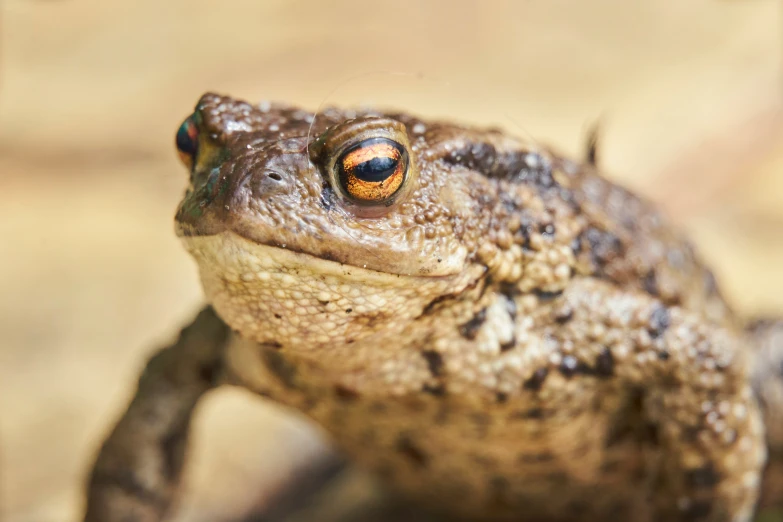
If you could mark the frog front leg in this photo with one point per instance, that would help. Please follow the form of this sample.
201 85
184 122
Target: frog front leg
708 452
137 473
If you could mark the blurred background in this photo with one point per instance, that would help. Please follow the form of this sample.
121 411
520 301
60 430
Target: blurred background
92 279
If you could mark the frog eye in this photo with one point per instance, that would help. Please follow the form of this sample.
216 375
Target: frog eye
373 170
187 142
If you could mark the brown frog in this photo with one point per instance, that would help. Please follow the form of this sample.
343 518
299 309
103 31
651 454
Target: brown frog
496 331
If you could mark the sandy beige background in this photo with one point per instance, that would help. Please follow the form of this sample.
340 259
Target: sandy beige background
92 278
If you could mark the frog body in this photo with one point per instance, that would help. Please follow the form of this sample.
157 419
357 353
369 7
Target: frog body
496 331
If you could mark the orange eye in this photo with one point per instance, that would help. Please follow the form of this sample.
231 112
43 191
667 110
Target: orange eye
187 142
373 170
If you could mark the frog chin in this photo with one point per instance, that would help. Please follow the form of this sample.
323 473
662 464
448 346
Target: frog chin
274 295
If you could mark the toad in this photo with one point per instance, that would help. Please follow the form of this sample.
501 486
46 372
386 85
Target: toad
496 331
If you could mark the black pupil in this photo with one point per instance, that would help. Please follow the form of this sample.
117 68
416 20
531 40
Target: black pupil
184 142
376 169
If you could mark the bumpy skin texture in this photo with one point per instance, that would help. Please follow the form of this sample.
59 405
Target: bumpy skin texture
512 338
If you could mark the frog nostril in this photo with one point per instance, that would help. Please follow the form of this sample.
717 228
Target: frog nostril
275 176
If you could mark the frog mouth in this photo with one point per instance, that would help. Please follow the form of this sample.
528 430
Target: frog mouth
245 259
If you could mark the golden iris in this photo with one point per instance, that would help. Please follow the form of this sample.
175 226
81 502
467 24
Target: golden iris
373 170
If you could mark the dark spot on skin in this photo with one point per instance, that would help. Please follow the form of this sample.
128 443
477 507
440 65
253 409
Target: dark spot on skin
536 458
470 329
438 390
605 247
663 355
627 420
547 296
345 393
563 314
278 316
411 451
272 344
475 156
650 283
348 310
704 477
434 362
539 175
504 347
280 367
604 363
570 366
659 321
535 382
328 256
324 303
501 397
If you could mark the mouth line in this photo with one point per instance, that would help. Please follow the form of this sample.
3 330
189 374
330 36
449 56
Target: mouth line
238 244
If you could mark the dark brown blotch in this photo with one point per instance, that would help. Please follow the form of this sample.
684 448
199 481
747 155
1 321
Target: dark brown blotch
660 320
705 477
536 381
604 363
434 362
650 283
504 347
407 447
346 394
545 296
605 247
563 314
571 366
470 329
